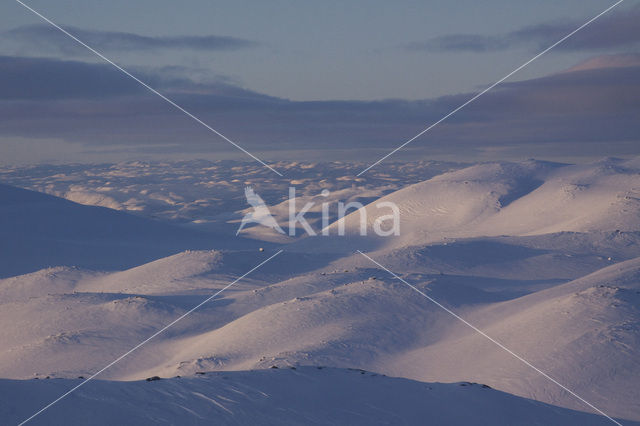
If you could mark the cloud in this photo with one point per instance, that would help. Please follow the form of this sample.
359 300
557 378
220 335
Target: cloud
42 37
461 42
593 106
25 78
609 61
36 78
617 29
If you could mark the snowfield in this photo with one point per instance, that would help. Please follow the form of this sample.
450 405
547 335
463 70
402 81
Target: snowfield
542 257
306 395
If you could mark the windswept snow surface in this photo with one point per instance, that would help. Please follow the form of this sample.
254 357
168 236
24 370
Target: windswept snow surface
543 257
306 395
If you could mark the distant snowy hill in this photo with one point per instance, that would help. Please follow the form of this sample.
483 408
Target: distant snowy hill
204 192
529 198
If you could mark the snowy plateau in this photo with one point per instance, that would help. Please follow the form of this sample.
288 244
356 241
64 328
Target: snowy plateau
543 258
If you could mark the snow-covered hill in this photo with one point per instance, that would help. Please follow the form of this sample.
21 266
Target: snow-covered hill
584 333
529 198
39 231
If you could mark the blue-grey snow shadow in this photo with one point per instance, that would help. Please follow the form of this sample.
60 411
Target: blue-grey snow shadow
39 231
305 395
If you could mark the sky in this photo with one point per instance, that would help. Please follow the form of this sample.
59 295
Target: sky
328 80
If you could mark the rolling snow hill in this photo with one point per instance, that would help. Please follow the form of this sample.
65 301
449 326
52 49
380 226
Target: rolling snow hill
517 199
543 257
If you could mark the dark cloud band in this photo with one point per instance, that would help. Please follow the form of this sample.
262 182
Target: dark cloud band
41 37
92 104
619 29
